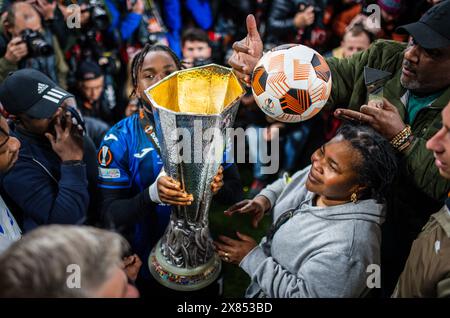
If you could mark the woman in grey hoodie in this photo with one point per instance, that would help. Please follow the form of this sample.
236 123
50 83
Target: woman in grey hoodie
327 217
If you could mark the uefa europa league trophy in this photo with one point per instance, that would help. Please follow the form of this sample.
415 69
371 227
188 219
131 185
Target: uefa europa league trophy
197 104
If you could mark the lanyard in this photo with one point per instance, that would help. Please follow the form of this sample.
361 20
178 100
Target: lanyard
148 125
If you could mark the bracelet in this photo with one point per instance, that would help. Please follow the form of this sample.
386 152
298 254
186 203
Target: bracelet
405 145
403 134
401 138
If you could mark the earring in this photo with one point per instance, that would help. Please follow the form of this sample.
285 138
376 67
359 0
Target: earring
354 197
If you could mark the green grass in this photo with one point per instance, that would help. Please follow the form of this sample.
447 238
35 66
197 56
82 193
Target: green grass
235 279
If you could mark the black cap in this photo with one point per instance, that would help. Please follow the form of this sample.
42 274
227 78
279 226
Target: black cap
31 92
432 31
88 70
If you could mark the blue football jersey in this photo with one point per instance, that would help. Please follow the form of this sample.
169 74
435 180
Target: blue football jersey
128 160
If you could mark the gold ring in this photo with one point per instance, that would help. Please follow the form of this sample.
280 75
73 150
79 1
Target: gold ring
226 254
226 259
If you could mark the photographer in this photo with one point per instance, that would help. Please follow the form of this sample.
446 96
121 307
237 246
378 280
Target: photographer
92 100
196 48
52 19
91 43
26 44
49 182
90 92
299 21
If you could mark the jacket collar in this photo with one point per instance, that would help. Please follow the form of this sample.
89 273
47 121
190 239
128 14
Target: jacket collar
443 217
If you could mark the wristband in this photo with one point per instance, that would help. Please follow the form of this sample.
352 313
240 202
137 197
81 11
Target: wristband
153 189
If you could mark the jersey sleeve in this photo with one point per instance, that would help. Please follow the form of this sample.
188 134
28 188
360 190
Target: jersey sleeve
113 162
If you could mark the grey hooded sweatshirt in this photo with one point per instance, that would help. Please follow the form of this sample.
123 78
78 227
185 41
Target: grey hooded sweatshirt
319 251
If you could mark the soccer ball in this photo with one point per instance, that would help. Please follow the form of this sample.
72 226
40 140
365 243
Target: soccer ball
291 83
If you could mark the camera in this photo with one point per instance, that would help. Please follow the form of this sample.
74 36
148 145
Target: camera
75 116
98 15
201 62
36 44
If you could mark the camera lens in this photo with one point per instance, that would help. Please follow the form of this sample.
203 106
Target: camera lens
36 44
42 48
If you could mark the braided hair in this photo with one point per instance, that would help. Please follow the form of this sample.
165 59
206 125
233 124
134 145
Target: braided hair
379 165
138 60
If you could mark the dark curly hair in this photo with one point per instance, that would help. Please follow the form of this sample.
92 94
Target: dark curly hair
379 165
138 60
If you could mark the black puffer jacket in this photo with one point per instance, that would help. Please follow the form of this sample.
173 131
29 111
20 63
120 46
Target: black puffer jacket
280 25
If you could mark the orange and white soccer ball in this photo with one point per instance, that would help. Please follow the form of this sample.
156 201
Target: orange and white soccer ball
291 83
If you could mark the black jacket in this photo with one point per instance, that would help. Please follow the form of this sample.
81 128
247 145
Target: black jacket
40 189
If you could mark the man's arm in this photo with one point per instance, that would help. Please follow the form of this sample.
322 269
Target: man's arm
16 50
325 274
349 89
44 200
119 210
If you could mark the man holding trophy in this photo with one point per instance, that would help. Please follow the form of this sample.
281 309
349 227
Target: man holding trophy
138 195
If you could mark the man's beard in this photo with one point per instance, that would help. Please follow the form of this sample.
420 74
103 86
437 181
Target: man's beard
412 85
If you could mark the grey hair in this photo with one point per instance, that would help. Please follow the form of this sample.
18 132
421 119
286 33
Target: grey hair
37 265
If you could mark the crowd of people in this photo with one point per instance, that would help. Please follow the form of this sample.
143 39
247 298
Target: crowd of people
82 180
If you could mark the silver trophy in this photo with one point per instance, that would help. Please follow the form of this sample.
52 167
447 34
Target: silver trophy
192 109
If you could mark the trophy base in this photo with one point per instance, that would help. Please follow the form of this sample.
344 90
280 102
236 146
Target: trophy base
182 279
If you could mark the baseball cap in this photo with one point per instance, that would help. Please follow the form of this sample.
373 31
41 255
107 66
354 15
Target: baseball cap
432 31
31 92
88 70
390 6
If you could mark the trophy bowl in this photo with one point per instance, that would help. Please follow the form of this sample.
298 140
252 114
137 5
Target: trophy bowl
192 110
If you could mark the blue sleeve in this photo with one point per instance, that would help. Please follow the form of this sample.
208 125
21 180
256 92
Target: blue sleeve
113 166
172 17
172 14
44 200
114 14
201 11
127 26
174 39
